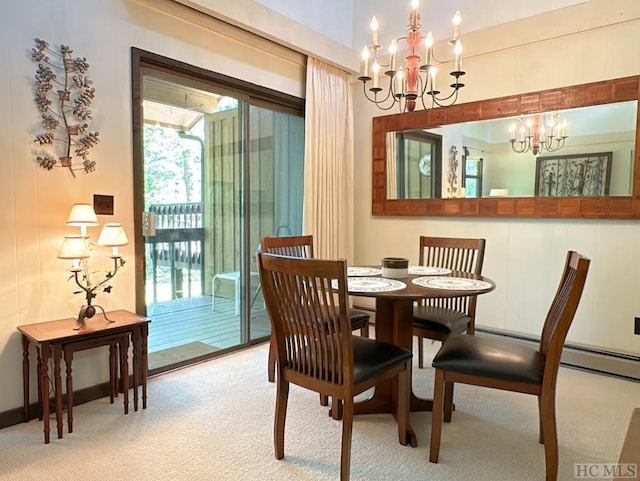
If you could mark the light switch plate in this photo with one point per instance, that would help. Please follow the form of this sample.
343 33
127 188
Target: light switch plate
103 204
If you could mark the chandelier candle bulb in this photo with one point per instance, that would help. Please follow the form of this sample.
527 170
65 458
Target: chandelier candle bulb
457 64
374 27
365 62
399 82
432 75
457 19
393 48
429 44
376 69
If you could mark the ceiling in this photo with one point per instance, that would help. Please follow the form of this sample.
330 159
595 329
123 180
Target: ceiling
437 15
175 106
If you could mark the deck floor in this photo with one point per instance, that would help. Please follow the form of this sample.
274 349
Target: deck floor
185 324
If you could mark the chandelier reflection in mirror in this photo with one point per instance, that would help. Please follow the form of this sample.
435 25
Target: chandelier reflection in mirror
414 80
537 134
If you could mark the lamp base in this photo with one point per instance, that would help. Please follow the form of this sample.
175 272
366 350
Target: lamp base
87 312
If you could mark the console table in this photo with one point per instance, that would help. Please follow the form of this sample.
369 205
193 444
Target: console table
59 337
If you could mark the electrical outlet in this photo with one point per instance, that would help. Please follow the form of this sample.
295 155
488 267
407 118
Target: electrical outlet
636 327
103 204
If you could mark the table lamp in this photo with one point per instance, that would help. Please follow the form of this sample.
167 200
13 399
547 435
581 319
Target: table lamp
83 216
76 248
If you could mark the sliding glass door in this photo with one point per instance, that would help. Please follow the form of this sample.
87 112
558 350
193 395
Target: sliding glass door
218 169
275 195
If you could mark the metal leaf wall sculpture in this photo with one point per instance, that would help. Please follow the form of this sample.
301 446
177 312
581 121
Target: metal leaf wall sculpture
63 94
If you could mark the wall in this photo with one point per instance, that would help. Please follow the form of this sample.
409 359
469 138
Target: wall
35 203
594 41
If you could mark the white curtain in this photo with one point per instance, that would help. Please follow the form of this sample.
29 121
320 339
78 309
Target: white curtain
329 158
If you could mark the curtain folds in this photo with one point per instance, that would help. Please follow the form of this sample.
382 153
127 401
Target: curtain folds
329 160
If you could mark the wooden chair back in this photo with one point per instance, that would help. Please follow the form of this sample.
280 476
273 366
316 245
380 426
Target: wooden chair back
457 254
290 245
307 303
561 312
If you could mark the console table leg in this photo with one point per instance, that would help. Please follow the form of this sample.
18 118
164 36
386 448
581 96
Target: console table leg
144 368
57 356
25 378
136 366
44 389
68 360
124 366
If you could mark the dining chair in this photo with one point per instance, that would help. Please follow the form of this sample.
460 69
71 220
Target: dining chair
306 300
302 246
512 366
438 318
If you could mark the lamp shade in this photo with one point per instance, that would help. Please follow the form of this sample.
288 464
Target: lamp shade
73 247
82 215
113 235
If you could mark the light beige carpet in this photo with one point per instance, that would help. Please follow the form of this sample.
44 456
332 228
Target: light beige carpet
213 422
166 357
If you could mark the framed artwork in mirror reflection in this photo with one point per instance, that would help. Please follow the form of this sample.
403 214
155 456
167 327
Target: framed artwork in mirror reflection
580 175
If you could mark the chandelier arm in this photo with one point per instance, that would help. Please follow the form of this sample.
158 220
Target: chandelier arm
424 105
524 147
438 61
375 100
441 102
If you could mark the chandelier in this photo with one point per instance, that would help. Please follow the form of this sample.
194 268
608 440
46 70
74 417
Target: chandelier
414 80
536 134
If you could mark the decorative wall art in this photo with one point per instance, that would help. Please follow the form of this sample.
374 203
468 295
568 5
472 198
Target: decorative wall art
452 176
63 94
582 175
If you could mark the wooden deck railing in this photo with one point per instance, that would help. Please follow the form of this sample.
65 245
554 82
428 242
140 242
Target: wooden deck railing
176 250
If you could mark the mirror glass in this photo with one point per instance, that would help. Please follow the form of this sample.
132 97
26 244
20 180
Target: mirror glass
479 159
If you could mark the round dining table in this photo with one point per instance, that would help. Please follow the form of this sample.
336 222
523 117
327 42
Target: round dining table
394 319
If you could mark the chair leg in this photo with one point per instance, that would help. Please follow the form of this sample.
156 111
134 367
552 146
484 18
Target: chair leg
271 362
336 408
324 400
448 401
347 428
403 406
364 332
420 352
540 433
282 397
436 416
548 419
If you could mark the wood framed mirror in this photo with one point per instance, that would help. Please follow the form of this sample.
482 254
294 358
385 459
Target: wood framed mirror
620 201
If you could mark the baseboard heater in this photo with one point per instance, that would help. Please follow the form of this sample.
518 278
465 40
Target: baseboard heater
588 358
591 359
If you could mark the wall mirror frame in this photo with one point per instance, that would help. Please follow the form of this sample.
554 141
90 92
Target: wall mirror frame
597 93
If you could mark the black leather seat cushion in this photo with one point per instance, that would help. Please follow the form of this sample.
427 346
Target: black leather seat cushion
495 358
440 319
371 357
359 319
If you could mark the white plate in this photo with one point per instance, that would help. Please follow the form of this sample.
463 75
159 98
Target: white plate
363 271
451 283
429 271
371 284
